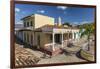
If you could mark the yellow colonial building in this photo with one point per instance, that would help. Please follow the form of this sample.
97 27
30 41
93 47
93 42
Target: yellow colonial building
41 31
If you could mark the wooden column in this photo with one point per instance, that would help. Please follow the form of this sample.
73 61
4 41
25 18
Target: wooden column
62 39
53 48
73 35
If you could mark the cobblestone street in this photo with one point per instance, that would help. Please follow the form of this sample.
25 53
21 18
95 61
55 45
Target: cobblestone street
24 57
27 56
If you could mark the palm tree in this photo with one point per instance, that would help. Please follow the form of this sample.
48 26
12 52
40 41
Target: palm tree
87 30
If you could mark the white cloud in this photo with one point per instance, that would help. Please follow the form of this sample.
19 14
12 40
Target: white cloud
17 10
76 22
84 22
41 11
62 7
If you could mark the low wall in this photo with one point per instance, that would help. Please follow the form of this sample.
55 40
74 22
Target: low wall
86 55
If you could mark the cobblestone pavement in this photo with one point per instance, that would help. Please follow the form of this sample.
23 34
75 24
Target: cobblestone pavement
37 56
24 57
61 58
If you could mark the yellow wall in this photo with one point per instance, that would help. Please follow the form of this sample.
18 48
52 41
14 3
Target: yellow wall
41 20
44 39
28 38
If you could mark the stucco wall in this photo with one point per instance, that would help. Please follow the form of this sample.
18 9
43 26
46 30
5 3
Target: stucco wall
28 21
44 39
29 38
41 20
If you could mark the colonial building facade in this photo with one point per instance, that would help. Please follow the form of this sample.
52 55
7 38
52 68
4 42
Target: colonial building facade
43 32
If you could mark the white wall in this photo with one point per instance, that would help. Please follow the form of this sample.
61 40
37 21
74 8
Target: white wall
5 34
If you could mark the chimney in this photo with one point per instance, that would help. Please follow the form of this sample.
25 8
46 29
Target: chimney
59 21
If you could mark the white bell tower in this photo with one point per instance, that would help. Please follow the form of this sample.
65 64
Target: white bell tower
59 21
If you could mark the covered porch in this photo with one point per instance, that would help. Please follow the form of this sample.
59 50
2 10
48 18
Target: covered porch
60 38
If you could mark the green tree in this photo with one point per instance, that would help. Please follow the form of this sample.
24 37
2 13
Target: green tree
87 30
68 24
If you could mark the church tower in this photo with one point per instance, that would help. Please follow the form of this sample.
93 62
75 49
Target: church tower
59 21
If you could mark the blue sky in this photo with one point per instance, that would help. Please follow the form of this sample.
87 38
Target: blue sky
74 15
